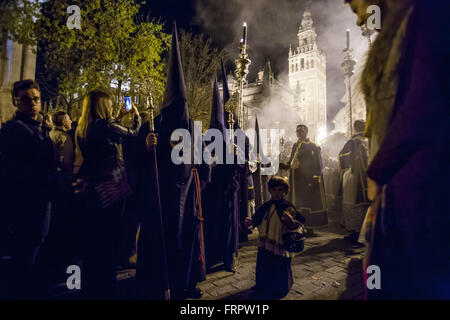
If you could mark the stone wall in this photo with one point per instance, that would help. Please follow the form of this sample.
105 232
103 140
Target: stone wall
20 64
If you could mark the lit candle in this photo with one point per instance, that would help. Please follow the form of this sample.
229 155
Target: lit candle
244 37
348 39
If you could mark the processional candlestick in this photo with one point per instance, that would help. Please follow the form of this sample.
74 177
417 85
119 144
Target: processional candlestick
367 32
241 72
231 129
151 108
282 140
348 66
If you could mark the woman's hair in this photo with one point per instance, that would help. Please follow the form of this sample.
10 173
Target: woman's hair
277 181
96 105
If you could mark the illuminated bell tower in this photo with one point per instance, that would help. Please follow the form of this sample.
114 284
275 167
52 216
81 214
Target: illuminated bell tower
307 77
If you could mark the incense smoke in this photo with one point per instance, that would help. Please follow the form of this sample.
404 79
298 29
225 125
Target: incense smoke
273 26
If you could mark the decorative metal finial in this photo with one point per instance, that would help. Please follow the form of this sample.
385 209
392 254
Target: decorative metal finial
241 73
269 145
366 32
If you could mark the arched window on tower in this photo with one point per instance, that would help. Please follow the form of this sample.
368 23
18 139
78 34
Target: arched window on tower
302 64
292 68
296 67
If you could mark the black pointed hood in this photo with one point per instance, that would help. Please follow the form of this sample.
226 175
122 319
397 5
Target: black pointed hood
174 111
257 143
226 90
217 110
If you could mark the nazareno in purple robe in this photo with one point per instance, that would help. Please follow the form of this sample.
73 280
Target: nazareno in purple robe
412 237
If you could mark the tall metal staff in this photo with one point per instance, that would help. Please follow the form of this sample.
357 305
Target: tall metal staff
231 130
241 72
145 252
348 66
367 32
152 151
259 193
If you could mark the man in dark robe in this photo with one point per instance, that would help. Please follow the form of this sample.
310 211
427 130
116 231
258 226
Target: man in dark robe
220 200
179 186
410 165
244 174
353 187
307 190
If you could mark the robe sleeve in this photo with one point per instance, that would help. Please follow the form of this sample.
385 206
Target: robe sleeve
259 215
121 131
294 148
345 156
417 113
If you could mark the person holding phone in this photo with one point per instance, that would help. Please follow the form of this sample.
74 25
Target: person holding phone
128 104
104 184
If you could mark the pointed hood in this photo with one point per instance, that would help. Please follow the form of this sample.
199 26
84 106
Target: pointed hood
174 111
226 90
217 110
257 142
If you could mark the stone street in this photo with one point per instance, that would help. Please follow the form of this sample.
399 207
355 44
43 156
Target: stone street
328 269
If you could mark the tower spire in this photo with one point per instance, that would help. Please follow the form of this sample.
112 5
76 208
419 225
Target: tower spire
307 21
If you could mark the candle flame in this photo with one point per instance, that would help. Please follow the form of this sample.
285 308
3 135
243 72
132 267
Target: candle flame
245 24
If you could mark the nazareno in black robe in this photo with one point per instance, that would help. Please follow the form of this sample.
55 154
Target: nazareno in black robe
307 191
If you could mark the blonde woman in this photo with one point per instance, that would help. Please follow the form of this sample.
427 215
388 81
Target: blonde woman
102 172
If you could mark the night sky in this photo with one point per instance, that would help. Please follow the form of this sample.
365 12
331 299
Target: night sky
183 11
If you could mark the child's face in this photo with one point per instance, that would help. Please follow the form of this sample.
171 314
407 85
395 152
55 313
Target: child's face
277 193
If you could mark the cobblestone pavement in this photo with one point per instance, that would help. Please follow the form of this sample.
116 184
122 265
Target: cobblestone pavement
329 268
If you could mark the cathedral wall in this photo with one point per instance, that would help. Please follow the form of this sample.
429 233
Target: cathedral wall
20 64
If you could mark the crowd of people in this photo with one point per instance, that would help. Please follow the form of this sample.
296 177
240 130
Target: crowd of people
78 195
99 195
